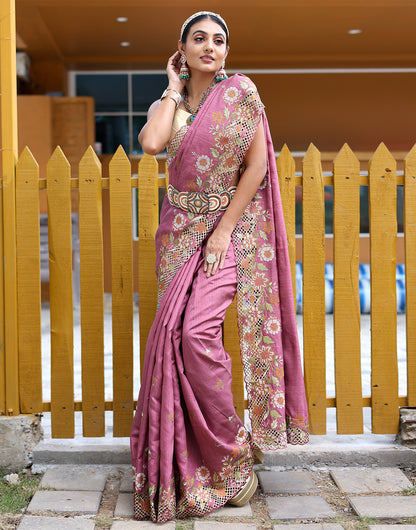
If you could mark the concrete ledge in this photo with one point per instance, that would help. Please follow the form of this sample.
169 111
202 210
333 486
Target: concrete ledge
345 450
330 450
46 453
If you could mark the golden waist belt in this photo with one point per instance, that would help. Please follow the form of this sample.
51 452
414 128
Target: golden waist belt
200 202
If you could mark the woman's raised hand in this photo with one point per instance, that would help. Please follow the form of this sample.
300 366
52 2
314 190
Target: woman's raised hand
173 68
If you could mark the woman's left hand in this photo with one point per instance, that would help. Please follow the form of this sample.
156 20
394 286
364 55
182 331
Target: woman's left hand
217 245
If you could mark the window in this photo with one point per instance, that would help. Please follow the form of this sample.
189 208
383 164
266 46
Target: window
121 103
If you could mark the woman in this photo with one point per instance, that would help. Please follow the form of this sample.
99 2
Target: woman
221 233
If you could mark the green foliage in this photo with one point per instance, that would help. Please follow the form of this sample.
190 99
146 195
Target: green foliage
14 497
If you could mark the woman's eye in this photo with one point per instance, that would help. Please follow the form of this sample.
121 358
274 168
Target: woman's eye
219 42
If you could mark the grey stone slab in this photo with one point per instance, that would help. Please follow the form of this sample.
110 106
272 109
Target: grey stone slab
74 478
370 480
310 526
384 506
126 484
392 526
141 525
33 522
211 525
298 507
286 482
232 511
65 502
124 506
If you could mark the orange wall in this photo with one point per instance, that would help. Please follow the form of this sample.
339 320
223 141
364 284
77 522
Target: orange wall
331 109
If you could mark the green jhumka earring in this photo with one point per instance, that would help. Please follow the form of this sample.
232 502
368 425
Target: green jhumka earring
221 74
184 71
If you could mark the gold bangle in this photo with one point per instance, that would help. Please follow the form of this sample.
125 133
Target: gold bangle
172 94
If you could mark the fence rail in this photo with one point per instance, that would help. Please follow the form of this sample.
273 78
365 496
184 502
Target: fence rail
382 180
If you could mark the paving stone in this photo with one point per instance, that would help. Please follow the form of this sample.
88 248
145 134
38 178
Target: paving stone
74 478
392 527
33 522
298 507
65 502
378 480
286 482
211 525
232 511
384 506
311 526
124 506
126 484
141 525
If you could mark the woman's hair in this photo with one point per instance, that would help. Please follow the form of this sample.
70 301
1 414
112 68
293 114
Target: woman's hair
203 16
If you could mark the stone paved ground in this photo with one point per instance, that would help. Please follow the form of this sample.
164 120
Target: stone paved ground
354 498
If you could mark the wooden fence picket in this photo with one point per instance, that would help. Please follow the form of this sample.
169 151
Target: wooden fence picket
60 291
383 236
122 290
92 294
28 285
2 350
232 346
347 314
148 223
286 171
313 250
410 273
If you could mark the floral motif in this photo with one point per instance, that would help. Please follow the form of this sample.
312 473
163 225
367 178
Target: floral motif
260 280
217 117
139 481
241 436
266 253
202 474
179 221
222 141
278 400
203 163
272 326
231 95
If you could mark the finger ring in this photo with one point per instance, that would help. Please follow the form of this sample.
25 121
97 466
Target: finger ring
211 258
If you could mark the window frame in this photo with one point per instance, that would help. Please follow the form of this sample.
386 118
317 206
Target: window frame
130 113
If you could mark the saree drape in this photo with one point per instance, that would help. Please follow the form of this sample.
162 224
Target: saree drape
189 459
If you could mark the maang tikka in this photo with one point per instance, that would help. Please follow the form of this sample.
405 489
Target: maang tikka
184 71
221 74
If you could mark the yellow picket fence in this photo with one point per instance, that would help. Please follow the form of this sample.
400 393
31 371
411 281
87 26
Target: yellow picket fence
382 179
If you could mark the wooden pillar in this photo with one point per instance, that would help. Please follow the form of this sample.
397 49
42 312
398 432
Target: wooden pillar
8 98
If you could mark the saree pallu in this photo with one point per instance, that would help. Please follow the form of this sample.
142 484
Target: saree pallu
183 463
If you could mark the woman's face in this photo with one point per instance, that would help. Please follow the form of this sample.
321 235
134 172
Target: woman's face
205 47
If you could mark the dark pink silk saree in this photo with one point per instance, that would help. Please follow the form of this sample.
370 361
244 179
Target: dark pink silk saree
188 458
